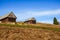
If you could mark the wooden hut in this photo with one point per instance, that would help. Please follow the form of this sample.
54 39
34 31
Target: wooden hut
31 21
10 17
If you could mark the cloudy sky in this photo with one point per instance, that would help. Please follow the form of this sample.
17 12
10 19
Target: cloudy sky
43 10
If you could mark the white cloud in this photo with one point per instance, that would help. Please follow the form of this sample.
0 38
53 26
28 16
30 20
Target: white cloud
46 21
43 13
27 14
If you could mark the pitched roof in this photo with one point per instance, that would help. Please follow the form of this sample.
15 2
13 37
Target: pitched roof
8 15
31 19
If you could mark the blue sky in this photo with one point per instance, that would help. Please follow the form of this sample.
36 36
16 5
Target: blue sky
43 10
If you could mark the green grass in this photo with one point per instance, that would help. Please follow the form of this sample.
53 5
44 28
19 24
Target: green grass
30 26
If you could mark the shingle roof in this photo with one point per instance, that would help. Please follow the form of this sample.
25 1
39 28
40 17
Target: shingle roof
2 17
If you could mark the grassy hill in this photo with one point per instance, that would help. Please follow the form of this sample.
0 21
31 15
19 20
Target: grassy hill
37 31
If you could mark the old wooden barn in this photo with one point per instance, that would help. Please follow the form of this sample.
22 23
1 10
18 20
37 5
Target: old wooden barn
31 21
10 17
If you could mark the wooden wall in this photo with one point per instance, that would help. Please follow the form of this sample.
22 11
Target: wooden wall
30 22
8 20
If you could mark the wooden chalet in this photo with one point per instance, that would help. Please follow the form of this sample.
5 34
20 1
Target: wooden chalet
10 17
31 21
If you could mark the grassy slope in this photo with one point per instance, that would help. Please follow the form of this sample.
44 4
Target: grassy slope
29 32
18 33
37 26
